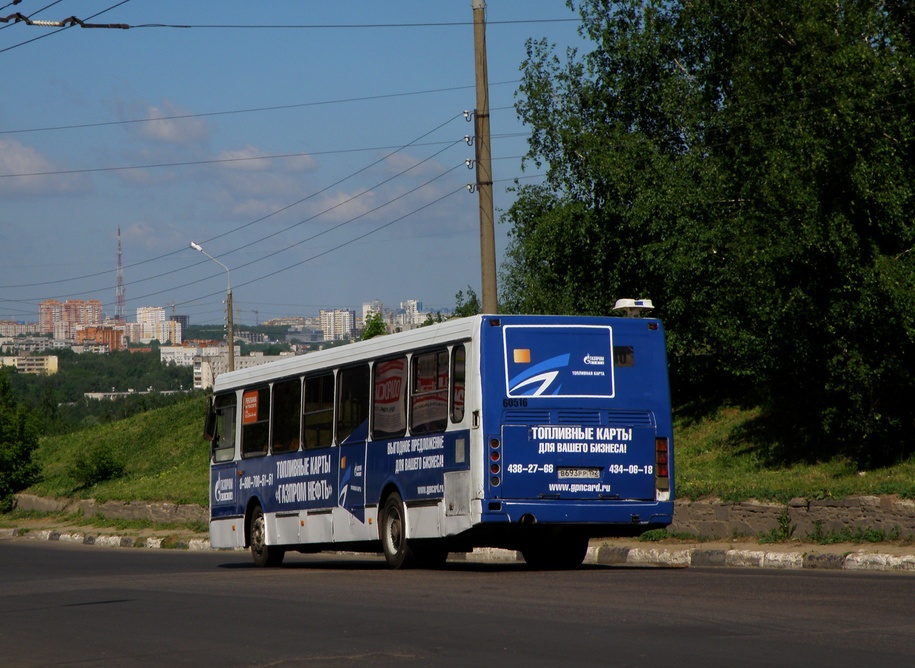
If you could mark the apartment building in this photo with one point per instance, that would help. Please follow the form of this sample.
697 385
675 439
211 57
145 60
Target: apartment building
61 318
339 324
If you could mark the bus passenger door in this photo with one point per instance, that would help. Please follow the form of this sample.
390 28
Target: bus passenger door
352 433
225 504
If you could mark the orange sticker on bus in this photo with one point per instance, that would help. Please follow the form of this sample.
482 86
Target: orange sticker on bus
250 407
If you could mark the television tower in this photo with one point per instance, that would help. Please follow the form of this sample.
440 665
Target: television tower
120 303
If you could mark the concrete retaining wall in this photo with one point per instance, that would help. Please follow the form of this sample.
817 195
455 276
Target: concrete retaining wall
159 513
715 519
709 519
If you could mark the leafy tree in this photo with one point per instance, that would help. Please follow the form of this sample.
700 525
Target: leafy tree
18 440
750 166
467 305
433 318
59 402
374 326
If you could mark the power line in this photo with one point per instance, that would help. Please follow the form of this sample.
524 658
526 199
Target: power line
344 244
104 11
216 161
323 232
280 107
73 21
415 142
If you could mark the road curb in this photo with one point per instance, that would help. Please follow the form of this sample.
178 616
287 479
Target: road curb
706 558
604 555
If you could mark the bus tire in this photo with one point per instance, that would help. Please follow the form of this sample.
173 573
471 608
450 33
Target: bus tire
394 533
562 552
262 554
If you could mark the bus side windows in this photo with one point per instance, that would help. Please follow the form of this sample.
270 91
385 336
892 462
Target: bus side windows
429 392
458 381
353 404
287 407
389 399
255 422
224 438
318 412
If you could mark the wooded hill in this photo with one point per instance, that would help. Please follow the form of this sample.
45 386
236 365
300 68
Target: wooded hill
750 167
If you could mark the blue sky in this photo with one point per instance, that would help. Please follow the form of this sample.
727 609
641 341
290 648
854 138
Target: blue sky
323 165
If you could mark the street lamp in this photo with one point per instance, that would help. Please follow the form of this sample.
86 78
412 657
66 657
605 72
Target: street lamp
198 247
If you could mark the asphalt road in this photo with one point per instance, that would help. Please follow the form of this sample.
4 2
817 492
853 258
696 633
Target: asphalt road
91 606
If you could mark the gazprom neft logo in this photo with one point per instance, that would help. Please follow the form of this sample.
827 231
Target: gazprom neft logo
223 491
597 360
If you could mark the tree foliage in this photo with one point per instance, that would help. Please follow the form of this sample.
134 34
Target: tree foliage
18 440
750 166
467 305
374 326
59 399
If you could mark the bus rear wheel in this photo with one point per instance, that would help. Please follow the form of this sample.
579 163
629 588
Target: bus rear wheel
261 553
394 533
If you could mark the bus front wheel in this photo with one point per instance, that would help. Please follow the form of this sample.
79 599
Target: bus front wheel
394 533
261 553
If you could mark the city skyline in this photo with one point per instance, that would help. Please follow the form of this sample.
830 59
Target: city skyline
77 309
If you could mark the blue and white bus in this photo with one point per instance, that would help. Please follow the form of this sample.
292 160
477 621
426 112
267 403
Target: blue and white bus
532 433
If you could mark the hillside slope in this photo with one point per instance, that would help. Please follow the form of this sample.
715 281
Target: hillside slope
161 456
155 456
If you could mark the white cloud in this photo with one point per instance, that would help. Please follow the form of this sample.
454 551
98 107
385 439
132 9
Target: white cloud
250 158
17 158
173 125
409 165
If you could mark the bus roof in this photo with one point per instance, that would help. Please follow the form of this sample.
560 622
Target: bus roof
380 346
450 330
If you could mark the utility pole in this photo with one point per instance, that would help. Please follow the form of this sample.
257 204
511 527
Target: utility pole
484 162
120 302
231 332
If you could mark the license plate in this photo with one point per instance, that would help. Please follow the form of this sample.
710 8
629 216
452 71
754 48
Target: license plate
578 473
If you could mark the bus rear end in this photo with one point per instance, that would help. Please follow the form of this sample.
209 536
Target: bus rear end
578 437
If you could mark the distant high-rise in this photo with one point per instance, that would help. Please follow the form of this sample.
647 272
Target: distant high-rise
338 324
65 316
120 303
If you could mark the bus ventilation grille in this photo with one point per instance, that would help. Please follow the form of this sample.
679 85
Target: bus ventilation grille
578 417
631 418
527 417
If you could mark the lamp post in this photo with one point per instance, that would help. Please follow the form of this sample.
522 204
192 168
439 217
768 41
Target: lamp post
198 247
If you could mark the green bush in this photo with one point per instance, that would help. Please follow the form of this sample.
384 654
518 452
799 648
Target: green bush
99 465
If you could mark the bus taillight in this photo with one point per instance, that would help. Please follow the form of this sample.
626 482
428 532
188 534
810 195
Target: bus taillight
662 473
495 455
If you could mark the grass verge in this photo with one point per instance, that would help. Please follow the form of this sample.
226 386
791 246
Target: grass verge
718 456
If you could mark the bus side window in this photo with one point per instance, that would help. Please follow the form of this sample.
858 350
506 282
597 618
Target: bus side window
623 356
458 364
429 392
287 409
389 399
353 404
318 412
255 422
224 438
